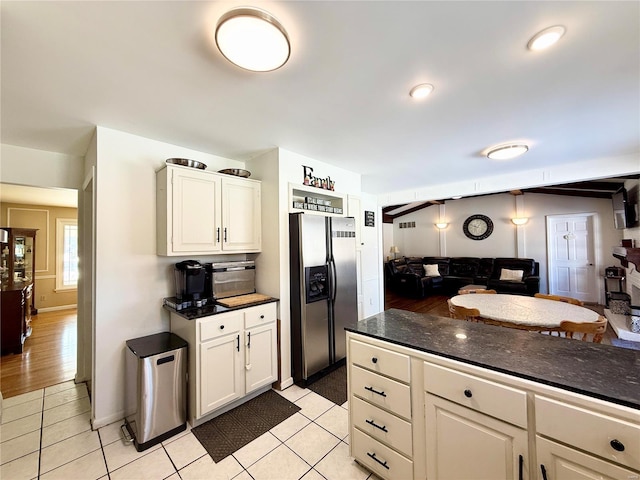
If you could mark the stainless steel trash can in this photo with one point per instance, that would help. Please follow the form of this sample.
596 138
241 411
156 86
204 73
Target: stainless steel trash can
156 388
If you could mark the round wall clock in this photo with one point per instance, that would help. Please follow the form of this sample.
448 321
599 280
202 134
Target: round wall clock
477 227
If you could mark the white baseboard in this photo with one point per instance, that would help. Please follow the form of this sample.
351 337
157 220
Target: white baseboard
286 383
55 309
97 423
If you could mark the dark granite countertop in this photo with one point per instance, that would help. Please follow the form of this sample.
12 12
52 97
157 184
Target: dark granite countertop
601 371
214 309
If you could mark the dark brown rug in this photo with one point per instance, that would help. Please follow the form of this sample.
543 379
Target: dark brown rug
223 435
332 386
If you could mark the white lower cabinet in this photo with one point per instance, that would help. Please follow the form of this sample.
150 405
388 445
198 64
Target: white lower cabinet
475 423
231 355
465 444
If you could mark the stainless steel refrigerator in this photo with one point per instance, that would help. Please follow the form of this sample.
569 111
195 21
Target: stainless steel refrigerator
323 292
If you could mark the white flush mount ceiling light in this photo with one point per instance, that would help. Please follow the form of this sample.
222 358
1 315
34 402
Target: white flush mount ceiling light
252 39
506 152
421 91
546 38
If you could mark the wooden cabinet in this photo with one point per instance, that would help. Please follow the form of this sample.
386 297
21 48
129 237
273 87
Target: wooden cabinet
18 261
200 212
234 354
381 413
15 308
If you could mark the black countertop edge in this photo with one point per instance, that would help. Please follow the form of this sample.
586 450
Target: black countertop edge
194 313
600 371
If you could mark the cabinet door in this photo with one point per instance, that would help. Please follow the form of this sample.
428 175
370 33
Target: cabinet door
221 377
463 443
195 210
260 356
557 462
241 215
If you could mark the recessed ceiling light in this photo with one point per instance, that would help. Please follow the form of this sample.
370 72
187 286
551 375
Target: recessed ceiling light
421 91
546 38
506 152
252 39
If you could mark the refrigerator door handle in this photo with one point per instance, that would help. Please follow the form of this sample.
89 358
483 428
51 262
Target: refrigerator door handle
334 279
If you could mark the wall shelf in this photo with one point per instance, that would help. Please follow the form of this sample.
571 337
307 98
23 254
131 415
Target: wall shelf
626 255
316 201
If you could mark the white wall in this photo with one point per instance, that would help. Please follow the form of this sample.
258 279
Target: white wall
131 279
38 168
371 252
504 241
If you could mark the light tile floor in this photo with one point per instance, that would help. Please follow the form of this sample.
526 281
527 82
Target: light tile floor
46 434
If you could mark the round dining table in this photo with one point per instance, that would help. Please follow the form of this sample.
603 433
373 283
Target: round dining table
529 313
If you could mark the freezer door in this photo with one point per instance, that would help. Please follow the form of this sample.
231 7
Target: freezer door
345 298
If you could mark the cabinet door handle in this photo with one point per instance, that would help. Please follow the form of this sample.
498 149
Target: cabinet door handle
374 360
617 445
225 234
238 339
221 327
261 317
218 235
544 472
372 390
467 393
249 340
520 467
374 424
384 464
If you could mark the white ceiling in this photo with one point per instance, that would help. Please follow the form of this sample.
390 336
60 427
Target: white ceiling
149 68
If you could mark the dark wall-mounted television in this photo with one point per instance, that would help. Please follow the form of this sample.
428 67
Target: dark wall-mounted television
624 214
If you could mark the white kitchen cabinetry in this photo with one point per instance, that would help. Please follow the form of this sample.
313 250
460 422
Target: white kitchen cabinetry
380 410
597 444
200 212
475 428
473 422
232 355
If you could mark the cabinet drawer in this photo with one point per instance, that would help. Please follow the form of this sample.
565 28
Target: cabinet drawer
219 325
391 364
500 401
259 315
380 459
382 391
381 425
587 430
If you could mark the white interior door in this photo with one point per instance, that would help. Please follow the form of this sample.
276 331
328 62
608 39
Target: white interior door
571 256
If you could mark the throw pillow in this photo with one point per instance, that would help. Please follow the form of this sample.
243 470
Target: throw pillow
431 270
511 275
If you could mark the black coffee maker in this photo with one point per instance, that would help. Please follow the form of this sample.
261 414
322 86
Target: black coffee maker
190 282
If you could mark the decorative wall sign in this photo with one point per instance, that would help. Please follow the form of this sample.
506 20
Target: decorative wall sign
309 179
369 219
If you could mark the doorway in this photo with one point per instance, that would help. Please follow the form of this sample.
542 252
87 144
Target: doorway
571 247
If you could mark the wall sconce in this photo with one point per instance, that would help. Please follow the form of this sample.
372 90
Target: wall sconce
441 225
395 250
519 220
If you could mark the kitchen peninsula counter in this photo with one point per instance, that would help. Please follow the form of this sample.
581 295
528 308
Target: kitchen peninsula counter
601 371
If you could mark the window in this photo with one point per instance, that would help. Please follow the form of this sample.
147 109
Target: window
67 254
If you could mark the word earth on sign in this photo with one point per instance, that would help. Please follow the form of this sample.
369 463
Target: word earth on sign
309 179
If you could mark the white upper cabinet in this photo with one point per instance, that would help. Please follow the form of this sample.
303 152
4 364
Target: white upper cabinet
201 213
241 215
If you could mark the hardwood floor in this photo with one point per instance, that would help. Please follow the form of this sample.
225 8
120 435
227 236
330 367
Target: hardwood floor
437 305
48 358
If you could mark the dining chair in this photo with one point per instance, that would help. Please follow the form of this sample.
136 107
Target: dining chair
463 313
560 298
594 329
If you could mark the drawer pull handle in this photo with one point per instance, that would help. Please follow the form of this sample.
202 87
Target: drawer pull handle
221 327
261 316
617 445
384 464
544 472
467 393
374 424
372 390
374 360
